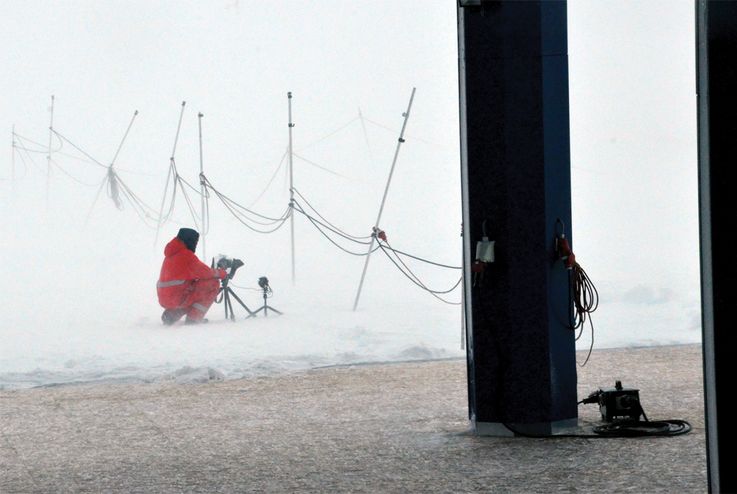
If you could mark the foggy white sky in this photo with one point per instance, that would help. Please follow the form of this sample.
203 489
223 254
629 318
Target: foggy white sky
633 142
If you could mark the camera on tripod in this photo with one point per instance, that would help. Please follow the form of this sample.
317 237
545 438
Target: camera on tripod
267 292
229 264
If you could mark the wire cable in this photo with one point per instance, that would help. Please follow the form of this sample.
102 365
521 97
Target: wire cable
389 129
329 226
329 135
583 300
271 180
247 221
673 427
30 158
421 259
317 225
43 148
91 158
637 428
414 279
317 165
234 204
623 428
72 177
345 234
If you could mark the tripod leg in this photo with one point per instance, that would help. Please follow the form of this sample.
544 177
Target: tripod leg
266 308
229 307
250 312
274 310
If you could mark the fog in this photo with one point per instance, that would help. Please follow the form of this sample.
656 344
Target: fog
80 301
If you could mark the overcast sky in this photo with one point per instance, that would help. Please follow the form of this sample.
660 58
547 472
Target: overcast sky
633 140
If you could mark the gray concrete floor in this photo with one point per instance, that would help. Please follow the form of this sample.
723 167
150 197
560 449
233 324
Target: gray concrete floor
376 428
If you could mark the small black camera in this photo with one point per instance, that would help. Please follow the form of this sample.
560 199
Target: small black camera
225 262
263 282
229 264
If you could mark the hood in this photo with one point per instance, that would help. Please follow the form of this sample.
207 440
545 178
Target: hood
174 247
189 237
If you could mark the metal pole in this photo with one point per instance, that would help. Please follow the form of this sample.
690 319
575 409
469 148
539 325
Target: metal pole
383 200
125 136
172 168
48 156
203 233
12 160
291 182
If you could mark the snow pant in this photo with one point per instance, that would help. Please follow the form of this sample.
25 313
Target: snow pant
197 298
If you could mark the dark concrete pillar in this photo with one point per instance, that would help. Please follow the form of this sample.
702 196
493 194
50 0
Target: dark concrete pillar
717 116
513 67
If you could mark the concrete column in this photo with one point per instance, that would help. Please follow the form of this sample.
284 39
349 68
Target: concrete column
513 68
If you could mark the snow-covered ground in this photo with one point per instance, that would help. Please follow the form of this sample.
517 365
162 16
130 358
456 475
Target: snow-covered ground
140 347
81 306
78 275
313 331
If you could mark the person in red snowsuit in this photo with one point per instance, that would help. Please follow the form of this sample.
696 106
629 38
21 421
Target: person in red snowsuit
186 285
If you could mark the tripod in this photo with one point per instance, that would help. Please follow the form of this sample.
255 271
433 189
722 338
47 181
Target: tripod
266 308
227 292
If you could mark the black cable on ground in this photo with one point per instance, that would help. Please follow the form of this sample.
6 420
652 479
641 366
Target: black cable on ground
622 428
637 428
629 428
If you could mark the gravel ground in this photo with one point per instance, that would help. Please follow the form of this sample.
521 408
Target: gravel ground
399 427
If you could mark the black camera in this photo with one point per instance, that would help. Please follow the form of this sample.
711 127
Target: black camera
263 282
229 264
225 262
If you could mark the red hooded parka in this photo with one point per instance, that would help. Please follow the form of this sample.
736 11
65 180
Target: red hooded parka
186 282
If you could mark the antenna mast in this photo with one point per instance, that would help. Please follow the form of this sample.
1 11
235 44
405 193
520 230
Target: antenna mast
383 200
12 160
48 155
171 175
291 182
203 233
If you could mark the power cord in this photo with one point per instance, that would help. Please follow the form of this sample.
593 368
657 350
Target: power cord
636 428
620 428
583 297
